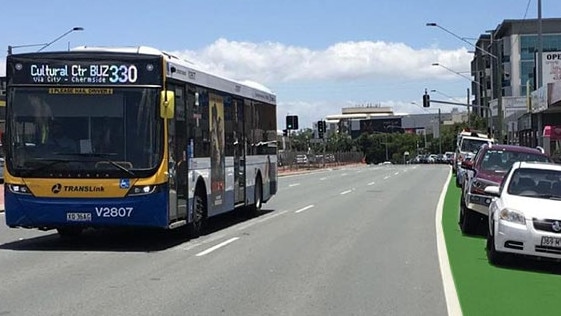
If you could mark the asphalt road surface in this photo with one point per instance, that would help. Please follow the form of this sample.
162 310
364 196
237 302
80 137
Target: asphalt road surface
354 241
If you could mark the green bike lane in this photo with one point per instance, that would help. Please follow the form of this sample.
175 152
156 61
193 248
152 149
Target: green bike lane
521 287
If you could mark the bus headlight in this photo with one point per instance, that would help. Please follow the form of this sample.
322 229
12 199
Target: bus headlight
19 189
142 190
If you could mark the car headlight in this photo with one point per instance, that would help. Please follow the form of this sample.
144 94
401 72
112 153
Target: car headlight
512 216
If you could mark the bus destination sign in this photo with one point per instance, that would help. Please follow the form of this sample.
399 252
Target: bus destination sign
86 72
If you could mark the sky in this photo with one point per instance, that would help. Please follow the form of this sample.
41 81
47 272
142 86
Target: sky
317 56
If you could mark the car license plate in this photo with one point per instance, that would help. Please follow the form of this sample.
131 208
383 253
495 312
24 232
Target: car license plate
79 217
551 241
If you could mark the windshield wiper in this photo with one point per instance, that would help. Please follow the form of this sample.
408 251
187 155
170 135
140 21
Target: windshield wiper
117 165
51 163
101 155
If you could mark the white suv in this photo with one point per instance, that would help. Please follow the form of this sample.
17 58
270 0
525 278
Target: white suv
468 145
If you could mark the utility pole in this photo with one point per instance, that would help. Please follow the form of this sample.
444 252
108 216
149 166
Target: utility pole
498 74
539 71
467 102
439 133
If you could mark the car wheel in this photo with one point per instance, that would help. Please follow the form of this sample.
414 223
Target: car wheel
462 209
469 222
495 257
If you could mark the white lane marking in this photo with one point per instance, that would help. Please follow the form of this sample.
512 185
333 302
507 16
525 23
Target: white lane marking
386 177
190 246
396 173
321 179
220 245
344 174
346 192
261 220
371 183
304 208
452 302
293 185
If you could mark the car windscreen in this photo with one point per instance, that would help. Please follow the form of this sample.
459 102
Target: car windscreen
535 182
502 160
472 144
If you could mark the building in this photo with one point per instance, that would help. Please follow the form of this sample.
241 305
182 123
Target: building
377 119
504 72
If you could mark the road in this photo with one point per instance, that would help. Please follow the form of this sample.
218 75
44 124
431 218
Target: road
353 241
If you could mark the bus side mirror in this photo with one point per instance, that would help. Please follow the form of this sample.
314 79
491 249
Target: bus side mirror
167 104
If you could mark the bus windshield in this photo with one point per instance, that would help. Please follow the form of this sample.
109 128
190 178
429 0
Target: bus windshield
84 131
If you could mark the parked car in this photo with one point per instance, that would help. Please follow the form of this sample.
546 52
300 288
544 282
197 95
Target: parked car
524 217
449 157
468 145
301 159
488 168
461 172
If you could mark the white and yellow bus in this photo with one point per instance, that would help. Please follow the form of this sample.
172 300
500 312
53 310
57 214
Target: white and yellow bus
114 137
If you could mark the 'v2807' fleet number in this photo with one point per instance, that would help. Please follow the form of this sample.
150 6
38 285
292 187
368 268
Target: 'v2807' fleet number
113 211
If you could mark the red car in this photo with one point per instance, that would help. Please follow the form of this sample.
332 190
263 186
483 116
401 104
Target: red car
489 167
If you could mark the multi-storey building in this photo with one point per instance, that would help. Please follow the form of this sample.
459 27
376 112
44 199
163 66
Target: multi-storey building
504 71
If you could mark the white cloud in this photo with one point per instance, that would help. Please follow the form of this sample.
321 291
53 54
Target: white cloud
271 62
2 69
277 64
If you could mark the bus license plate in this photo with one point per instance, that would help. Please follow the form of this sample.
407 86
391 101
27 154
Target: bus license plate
551 241
79 217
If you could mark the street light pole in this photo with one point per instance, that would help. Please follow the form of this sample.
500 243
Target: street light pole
439 132
77 28
499 81
494 56
540 47
386 134
463 39
45 45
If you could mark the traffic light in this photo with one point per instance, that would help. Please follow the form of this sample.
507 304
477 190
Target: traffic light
321 129
321 126
284 132
292 122
426 100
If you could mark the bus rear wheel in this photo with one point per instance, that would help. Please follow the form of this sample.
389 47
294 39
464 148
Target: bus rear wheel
255 208
196 225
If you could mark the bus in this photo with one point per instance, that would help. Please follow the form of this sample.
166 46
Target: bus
100 137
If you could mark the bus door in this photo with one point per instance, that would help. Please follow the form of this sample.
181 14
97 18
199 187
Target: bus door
239 152
177 146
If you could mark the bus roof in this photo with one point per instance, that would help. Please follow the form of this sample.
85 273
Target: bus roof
187 71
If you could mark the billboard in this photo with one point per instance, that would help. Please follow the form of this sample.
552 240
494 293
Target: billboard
382 125
551 70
